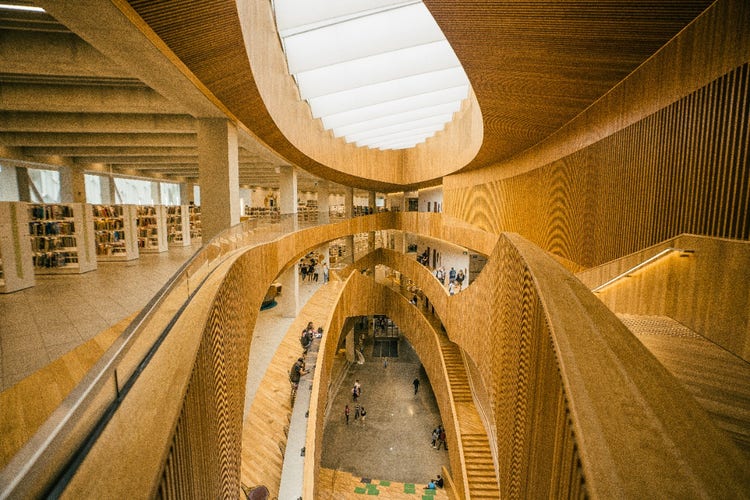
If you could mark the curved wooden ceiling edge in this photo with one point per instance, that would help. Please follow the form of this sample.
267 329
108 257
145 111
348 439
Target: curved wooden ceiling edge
446 153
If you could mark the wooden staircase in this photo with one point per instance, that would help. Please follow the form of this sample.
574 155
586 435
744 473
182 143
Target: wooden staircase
476 454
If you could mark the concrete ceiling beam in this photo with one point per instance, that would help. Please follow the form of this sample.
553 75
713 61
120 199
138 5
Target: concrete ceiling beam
31 139
110 151
17 121
130 160
38 53
135 47
84 99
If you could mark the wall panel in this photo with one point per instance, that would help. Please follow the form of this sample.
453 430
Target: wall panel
681 169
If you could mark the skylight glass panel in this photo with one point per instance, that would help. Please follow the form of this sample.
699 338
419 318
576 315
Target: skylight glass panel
376 69
449 99
432 124
372 68
386 31
388 91
294 16
411 113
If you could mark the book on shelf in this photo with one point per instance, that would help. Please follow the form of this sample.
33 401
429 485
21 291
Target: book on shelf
61 238
115 232
152 229
178 226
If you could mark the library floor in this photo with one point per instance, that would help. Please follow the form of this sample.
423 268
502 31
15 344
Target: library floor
41 323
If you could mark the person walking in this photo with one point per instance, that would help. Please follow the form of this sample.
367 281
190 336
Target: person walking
362 414
416 385
356 390
346 413
356 413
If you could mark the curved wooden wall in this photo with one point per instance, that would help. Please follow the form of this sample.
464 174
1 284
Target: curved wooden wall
664 153
574 395
541 360
361 296
706 290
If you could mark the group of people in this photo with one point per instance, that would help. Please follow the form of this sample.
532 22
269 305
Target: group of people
308 268
359 410
438 438
435 483
309 333
359 413
455 279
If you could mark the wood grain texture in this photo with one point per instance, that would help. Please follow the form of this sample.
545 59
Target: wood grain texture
683 169
707 290
575 398
534 67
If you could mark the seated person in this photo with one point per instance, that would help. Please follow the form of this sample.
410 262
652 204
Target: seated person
439 482
430 485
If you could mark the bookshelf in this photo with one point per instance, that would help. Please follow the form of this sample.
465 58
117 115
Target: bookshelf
196 231
62 238
115 232
178 226
152 229
16 264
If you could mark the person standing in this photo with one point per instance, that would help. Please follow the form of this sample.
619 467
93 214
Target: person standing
346 414
416 385
362 414
356 390
325 273
356 413
441 439
451 275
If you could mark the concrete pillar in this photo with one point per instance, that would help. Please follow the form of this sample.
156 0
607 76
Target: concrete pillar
323 203
72 185
350 346
371 234
8 183
109 190
24 184
156 192
348 202
218 173
289 299
186 193
288 198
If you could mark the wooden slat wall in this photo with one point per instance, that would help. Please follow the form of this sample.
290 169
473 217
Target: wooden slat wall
543 344
682 169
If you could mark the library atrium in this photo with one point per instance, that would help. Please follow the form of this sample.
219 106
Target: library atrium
430 249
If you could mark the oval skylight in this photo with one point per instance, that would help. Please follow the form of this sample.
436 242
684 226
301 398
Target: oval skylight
378 73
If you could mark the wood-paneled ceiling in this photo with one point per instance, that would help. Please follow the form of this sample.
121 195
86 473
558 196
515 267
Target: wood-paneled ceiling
534 66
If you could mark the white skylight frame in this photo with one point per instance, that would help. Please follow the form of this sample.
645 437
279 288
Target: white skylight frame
372 69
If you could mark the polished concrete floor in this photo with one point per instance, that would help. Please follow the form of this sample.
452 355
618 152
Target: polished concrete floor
41 323
393 442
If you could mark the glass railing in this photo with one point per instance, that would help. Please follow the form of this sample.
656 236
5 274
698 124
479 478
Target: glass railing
53 454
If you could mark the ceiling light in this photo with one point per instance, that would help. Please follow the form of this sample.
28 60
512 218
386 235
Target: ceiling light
24 8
